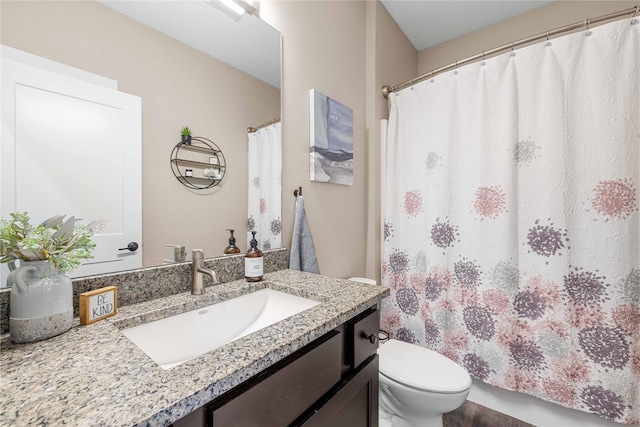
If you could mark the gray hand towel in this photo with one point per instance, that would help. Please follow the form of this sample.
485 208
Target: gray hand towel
303 252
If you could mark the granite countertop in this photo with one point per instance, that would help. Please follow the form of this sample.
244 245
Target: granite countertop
93 375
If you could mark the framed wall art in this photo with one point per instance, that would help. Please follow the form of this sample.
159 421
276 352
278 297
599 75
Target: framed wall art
331 140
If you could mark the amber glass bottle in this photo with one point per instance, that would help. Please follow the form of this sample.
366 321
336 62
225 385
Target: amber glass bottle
253 262
232 248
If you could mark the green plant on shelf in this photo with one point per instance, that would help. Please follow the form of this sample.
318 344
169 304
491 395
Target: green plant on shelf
186 135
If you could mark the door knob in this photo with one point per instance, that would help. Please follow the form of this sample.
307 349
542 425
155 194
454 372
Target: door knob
133 246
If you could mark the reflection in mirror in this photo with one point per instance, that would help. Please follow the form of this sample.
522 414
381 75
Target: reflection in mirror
265 179
244 42
190 65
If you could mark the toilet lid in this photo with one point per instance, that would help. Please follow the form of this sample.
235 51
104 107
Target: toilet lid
421 368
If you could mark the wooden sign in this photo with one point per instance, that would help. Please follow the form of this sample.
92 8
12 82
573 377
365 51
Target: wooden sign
99 304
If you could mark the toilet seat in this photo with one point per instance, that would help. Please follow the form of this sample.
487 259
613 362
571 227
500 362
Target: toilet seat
421 368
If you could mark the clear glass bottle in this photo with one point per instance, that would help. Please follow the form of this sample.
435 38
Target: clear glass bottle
253 262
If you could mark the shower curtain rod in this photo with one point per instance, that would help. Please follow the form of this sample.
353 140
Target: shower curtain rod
386 90
264 125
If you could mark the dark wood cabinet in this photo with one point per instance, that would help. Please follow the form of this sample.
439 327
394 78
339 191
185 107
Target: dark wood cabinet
331 382
353 403
280 396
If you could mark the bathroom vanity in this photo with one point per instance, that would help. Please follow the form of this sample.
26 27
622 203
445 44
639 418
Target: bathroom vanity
332 381
315 368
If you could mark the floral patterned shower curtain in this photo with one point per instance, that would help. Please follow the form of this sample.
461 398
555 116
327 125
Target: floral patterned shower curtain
265 187
511 235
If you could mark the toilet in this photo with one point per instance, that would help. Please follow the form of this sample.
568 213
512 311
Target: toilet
417 385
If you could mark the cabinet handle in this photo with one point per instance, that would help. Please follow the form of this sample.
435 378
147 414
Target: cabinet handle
371 338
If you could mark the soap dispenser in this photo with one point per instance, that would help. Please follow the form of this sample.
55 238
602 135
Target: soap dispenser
253 262
232 248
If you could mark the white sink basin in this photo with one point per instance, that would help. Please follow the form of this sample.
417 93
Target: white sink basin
174 340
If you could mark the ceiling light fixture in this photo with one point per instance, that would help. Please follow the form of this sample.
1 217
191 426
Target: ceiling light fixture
251 6
234 9
230 8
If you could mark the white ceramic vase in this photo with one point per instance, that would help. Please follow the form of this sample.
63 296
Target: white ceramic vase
41 304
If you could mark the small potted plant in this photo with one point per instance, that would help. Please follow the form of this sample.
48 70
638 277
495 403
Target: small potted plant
41 303
186 135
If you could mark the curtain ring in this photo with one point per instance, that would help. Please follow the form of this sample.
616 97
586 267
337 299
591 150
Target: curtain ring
635 21
512 52
588 32
456 69
483 62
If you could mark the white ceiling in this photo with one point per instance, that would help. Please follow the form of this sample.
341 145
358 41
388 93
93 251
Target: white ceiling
247 44
427 23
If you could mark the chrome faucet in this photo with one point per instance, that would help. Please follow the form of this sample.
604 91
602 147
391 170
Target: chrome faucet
198 271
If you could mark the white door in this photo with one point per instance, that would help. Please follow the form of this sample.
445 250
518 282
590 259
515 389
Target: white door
72 147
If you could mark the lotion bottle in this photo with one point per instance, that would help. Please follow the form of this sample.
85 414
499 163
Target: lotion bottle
232 248
253 262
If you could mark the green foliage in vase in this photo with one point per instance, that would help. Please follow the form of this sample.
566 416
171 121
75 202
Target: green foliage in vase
186 131
63 242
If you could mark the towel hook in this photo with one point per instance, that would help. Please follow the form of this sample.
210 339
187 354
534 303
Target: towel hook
297 192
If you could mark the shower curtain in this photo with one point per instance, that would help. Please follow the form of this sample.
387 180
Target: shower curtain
265 184
511 227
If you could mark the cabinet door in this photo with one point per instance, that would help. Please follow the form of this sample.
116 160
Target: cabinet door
276 398
355 404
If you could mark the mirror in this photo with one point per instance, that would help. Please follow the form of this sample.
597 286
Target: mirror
191 65
245 42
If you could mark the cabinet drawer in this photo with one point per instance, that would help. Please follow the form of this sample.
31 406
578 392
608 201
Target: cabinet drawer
279 396
364 336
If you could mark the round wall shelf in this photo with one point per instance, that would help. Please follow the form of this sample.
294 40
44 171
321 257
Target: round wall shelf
198 163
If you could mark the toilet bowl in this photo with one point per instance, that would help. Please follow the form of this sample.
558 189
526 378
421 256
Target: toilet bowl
417 385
